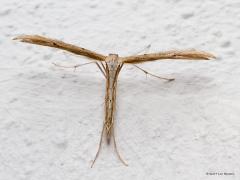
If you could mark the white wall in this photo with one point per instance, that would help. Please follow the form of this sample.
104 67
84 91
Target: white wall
51 117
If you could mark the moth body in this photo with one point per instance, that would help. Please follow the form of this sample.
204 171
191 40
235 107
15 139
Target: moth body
112 70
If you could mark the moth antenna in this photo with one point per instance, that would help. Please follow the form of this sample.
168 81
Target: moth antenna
146 48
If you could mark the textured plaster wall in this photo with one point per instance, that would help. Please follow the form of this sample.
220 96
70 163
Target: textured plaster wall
51 117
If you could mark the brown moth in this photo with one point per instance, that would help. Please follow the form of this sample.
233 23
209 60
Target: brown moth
110 66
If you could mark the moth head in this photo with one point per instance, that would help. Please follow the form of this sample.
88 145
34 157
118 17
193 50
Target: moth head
112 57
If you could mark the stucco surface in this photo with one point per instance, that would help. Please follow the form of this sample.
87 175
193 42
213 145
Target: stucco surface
51 117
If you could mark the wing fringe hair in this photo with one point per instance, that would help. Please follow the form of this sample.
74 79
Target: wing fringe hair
185 54
177 54
40 40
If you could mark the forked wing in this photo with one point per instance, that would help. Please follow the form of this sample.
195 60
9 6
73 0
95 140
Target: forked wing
184 55
40 40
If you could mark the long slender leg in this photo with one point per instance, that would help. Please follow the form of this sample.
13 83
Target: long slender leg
104 67
146 72
102 71
101 139
75 66
116 149
99 147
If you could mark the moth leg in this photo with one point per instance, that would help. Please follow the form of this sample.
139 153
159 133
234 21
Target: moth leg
146 72
99 147
102 69
74 67
116 149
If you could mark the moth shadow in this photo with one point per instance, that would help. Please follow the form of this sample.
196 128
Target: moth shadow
183 84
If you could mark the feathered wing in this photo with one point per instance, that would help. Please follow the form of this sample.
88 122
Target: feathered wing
40 40
184 55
